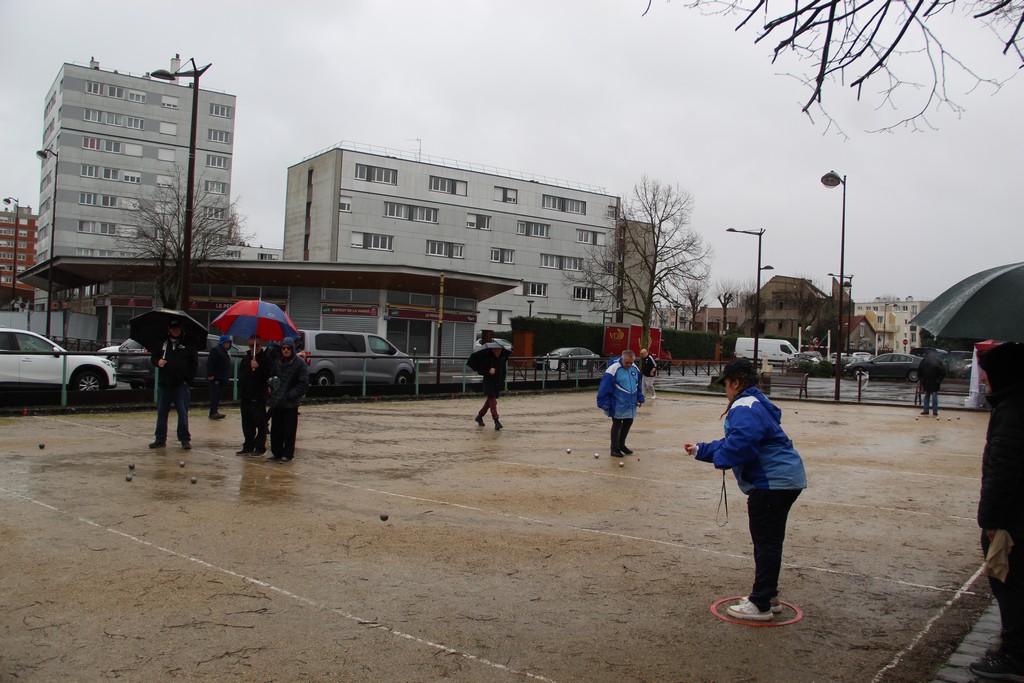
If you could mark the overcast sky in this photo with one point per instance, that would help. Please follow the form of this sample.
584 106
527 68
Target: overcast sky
583 90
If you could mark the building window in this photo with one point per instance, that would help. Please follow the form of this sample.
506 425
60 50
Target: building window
506 194
345 204
583 293
393 210
586 237
112 119
97 228
136 96
447 185
533 229
448 249
564 204
216 187
214 212
572 263
93 88
134 122
478 221
164 181
502 255
216 161
90 143
376 174
111 174
87 198
164 154
168 128
109 201
219 136
91 115
131 177
266 257
548 261
89 171
364 240
424 214
221 110
115 91
112 146
535 289
169 102
499 317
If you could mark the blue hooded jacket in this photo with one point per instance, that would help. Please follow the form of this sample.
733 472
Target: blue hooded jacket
755 447
620 390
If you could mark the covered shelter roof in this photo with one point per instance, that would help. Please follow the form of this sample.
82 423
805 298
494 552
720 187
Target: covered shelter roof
81 271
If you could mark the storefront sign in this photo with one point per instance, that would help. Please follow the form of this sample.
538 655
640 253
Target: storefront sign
420 314
350 310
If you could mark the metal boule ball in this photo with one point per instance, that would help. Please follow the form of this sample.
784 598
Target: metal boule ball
194 479
131 466
383 516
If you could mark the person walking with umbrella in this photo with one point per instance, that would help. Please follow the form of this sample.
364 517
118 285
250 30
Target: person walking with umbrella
930 374
253 373
218 365
289 385
491 362
176 360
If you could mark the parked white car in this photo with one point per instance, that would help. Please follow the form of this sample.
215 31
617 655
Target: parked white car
31 361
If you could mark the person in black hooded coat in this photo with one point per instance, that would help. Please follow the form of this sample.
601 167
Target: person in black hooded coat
492 367
1001 505
930 374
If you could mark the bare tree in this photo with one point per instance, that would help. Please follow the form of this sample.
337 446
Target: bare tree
694 292
893 42
726 291
159 233
655 253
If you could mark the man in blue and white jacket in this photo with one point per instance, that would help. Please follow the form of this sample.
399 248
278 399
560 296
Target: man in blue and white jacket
618 396
768 469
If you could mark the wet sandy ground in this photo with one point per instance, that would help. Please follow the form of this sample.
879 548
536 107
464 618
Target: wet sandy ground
503 557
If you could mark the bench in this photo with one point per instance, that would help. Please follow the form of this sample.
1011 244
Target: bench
789 380
960 388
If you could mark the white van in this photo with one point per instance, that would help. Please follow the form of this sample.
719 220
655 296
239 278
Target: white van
341 358
777 351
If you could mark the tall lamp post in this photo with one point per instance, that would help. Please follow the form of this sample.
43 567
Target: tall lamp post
846 283
14 254
830 180
44 155
186 257
529 302
757 291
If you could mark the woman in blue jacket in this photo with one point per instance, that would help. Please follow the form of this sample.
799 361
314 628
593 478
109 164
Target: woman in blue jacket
768 469
618 396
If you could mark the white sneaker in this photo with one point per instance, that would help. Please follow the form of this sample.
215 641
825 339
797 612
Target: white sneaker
776 606
748 611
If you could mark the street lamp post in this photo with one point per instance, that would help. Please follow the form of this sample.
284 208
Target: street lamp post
44 155
757 291
830 180
186 257
845 283
529 302
14 254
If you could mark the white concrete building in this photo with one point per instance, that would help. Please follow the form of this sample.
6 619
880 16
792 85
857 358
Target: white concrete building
356 204
892 317
117 137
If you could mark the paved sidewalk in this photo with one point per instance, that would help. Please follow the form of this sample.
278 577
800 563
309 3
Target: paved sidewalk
983 636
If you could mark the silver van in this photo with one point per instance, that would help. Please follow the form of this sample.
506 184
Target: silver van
342 357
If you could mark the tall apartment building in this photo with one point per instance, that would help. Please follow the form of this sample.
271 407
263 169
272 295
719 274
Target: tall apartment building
363 205
116 137
17 253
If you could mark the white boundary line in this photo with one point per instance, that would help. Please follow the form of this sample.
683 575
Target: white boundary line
282 591
927 627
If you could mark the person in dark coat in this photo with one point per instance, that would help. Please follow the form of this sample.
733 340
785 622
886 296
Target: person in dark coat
253 374
492 368
176 361
289 385
1001 508
648 368
930 375
218 370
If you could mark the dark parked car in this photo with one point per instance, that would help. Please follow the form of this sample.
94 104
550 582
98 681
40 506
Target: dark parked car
134 368
568 358
887 366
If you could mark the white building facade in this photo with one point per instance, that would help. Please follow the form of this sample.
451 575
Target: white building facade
114 138
357 204
892 317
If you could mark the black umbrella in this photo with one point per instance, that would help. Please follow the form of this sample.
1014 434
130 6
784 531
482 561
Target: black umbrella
987 305
478 358
150 328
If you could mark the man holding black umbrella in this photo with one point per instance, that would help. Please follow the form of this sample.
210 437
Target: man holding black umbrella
176 360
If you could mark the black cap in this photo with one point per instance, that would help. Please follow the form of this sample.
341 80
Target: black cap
173 322
738 368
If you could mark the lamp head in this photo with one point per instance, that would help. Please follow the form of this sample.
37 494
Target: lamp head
767 267
10 200
831 179
163 74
